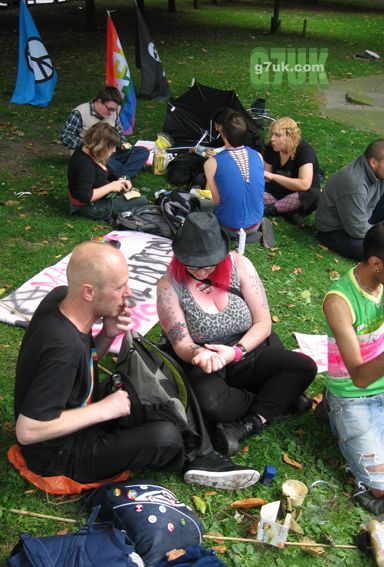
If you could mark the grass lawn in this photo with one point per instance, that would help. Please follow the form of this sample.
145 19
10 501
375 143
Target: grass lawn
212 44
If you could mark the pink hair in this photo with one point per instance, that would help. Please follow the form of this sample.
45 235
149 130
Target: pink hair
221 274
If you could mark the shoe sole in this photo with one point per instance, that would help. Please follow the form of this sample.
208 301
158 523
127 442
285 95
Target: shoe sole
225 446
269 240
228 480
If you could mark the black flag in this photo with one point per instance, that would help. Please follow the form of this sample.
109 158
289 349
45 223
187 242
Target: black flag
154 83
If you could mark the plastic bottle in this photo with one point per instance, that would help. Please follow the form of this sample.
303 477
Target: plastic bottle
241 241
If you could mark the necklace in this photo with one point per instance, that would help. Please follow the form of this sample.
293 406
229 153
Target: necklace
364 287
204 287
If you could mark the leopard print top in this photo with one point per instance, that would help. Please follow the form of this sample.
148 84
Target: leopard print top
224 327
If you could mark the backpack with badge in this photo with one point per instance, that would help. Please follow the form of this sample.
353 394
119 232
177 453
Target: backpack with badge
94 545
155 520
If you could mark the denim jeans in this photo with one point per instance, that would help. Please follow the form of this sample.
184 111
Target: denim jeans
358 424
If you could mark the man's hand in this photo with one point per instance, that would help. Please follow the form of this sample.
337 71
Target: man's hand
214 357
115 405
114 326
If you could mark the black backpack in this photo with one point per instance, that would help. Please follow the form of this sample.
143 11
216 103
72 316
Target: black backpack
186 170
176 206
147 218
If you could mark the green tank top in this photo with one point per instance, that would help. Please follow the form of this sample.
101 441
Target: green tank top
368 321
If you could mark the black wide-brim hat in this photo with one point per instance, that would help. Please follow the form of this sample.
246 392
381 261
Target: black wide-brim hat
200 241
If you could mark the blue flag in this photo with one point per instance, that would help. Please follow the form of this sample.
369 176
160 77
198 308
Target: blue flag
36 77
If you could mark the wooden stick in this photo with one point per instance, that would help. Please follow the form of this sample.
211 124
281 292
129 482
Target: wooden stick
14 311
104 369
293 543
37 515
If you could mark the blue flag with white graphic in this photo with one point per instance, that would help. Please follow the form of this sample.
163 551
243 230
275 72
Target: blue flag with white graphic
36 77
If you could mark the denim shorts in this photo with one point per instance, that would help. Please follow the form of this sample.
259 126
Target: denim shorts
358 424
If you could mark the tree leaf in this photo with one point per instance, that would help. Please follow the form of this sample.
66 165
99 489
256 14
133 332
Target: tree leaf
249 503
275 268
275 318
199 503
292 462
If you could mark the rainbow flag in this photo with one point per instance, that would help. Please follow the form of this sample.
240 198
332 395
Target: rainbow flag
118 74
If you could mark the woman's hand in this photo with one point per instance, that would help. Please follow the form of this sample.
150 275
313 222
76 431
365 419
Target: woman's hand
268 175
214 357
119 185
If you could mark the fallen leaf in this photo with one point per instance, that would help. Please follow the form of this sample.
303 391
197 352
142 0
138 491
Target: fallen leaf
42 192
290 305
27 227
199 503
30 491
301 433
249 503
174 554
275 268
306 295
216 534
334 276
298 270
244 450
253 529
320 256
219 548
275 318
316 400
323 247
210 493
292 462
63 532
310 549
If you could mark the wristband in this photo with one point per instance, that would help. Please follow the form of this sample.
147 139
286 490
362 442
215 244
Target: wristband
242 351
238 354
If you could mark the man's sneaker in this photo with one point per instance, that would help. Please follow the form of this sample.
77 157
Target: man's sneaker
228 436
268 234
219 472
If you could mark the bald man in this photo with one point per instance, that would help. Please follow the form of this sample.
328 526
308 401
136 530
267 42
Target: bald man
63 426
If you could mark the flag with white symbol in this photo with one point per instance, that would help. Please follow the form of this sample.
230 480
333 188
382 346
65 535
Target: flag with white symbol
118 75
154 83
36 77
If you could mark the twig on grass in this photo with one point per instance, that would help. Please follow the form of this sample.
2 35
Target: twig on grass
292 543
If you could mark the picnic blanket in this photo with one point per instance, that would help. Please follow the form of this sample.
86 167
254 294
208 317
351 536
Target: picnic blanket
147 256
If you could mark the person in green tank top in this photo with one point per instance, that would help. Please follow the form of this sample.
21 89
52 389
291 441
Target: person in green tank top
354 310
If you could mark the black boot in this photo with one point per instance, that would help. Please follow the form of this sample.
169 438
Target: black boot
270 211
228 436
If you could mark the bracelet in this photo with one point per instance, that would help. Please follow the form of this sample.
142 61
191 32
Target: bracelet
238 353
242 351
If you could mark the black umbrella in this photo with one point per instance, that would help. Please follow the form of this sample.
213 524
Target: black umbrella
190 115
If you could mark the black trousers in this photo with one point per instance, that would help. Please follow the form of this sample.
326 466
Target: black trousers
267 382
104 450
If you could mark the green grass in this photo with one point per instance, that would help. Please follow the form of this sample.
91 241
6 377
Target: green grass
214 45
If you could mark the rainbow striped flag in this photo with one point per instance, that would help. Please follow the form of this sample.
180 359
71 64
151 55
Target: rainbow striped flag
118 74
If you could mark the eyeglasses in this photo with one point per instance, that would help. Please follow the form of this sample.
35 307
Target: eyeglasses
197 268
109 108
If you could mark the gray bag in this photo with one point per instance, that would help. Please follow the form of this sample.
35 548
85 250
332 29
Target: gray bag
155 377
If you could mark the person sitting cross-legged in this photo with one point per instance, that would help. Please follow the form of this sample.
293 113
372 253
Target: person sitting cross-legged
63 425
104 108
213 309
351 202
354 312
93 191
292 173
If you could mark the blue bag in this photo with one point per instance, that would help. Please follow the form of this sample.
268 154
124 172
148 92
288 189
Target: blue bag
94 545
154 519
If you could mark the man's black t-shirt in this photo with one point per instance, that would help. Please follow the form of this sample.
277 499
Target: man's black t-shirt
53 373
304 154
